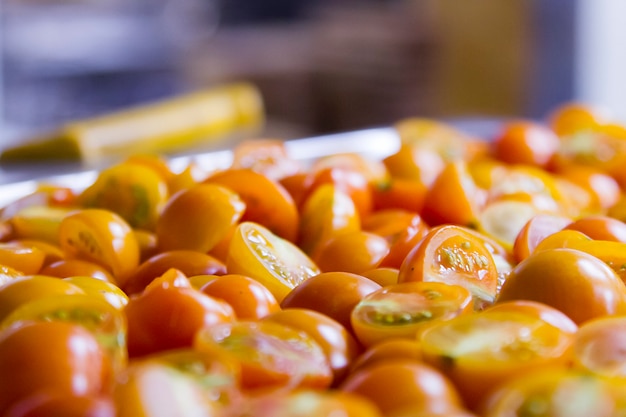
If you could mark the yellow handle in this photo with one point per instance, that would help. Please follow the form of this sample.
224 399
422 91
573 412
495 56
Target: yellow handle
162 127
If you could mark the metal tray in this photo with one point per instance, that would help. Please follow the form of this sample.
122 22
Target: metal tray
374 142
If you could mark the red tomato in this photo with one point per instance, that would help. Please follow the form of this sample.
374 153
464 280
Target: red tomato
168 313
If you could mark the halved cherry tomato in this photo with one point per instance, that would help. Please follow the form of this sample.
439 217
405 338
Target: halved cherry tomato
52 251
574 117
600 347
534 231
600 227
267 202
480 351
39 222
168 313
103 237
136 192
52 403
250 299
332 293
453 197
355 252
525 142
396 384
198 218
188 262
70 361
26 259
552 392
398 193
604 190
65 268
414 163
403 310
98 288
389 350
453 255
339 346
576 283
326 213
265 156
8 274
271 355
275 262
539 310
382 276
24 289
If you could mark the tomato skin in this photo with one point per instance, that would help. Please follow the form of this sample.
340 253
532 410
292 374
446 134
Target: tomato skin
534 231
55 404
167 316
399 383
525 142
72 362
354 252
271 354
250 299
600 227
539 310
390 349
26 259
338 344
599 347
188 262
66 268
594 289
347 289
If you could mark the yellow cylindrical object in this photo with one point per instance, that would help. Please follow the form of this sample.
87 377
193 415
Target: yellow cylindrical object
171 125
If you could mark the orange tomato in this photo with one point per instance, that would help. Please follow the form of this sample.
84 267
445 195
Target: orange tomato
600 347
571 118
414 163
525 142
77 267
398 193
198 218
604 190
53 403
400 383
267 202
104 290
52 252
265 156
453 255
271 355
168 313
339 346
389 350
600 227
71 361
26 259
250 299
382 275
453 197
354 252
480 351
188 262
326 213
103 237
534 231
275 262
403 310
576 283
539 310
347 290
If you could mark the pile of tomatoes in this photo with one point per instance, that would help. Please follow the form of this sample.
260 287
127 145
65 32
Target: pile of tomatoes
457 277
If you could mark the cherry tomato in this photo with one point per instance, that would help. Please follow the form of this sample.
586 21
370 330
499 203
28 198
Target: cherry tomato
39 222
271 354
483 350
103 237
326 213
382 276
198 218
604 190
70 361
576 283
414 163
250 299
453 255
98 288
26 259
347 290
52 252
534 231
525 142
24 289
600 347
188 262
168 313
265 156
275 262
539 310
8 274
136 192
77 267
338 344
398 193
267 202
600 227
453 197
574 117
403 310
389 350
352 252
551 392
400 383
52 403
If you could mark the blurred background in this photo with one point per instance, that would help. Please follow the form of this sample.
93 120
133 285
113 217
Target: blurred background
321 65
